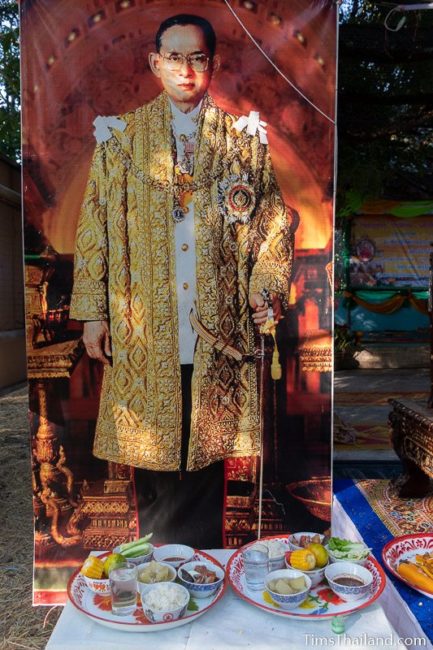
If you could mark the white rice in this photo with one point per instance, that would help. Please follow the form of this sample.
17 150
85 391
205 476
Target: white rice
163 598
274 547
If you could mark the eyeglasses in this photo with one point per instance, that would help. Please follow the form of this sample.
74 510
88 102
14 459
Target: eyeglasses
174 61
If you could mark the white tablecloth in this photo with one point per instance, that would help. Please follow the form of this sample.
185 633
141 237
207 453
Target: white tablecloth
396 610
233 624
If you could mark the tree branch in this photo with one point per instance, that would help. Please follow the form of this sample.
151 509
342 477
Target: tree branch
411 99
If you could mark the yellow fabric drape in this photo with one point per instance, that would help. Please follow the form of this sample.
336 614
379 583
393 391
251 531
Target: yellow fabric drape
390 305
420 305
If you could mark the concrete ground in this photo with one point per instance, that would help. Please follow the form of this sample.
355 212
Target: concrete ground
352 389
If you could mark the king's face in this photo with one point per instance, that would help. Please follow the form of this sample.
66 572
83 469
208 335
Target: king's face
186 86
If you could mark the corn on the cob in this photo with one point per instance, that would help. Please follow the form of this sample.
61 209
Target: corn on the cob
93 567
302 559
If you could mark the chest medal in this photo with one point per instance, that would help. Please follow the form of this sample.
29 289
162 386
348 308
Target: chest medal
236 198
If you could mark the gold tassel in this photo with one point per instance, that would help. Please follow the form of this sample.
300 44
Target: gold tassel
276 370
270 328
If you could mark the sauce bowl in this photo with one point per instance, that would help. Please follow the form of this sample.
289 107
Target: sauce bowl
349 570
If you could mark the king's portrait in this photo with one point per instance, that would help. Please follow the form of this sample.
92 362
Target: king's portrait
183 251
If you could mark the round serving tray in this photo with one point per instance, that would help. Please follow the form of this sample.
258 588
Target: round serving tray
406 547
321 601
98 607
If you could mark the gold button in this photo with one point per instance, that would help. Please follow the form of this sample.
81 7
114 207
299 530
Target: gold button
184 247
185 285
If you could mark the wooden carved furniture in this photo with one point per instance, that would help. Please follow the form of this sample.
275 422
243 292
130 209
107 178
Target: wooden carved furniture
412 430
412 439
430 311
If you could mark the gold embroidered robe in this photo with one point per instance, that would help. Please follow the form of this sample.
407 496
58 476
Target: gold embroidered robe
125 273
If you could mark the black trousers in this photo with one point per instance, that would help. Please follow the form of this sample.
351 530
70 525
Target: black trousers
183 507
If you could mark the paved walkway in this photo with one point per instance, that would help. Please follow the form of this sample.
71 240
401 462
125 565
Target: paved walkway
360 402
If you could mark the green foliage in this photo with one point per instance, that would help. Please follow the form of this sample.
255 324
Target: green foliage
385 105
385 126
346 341
9 80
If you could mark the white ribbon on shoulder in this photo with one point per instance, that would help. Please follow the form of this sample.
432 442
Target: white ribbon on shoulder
102 126
253 124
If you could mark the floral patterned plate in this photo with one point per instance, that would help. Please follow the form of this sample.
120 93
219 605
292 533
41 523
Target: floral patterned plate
321 601
98 607
405 548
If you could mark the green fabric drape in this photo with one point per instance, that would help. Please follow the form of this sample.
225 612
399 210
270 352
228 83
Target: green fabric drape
403 209
413 209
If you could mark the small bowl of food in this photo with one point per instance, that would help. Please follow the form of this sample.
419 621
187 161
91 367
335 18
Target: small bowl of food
174 554
95 576
304 539
164 602
152 572
349 581
316 575
311 561
344 550
98 586
201 578
288 587
275 550
142 557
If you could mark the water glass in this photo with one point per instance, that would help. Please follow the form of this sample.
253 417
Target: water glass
123 585
256 568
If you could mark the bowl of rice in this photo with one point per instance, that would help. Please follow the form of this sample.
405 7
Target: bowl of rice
275 549
163 602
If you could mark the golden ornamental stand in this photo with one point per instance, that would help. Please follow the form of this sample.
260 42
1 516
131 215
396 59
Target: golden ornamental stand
53 481
58 516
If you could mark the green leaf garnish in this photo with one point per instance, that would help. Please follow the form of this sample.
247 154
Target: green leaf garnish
192 605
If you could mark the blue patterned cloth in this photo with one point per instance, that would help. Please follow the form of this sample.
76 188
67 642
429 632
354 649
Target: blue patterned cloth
375 534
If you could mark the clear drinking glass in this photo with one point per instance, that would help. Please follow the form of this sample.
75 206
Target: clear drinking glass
123 585
256 568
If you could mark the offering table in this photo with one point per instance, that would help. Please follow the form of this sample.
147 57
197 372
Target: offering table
408 611
231 623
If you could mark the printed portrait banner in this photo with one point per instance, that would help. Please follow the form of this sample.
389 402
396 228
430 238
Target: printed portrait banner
178 193
390 252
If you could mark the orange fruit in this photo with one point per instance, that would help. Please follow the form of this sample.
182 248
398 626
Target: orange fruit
112 561
320 553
